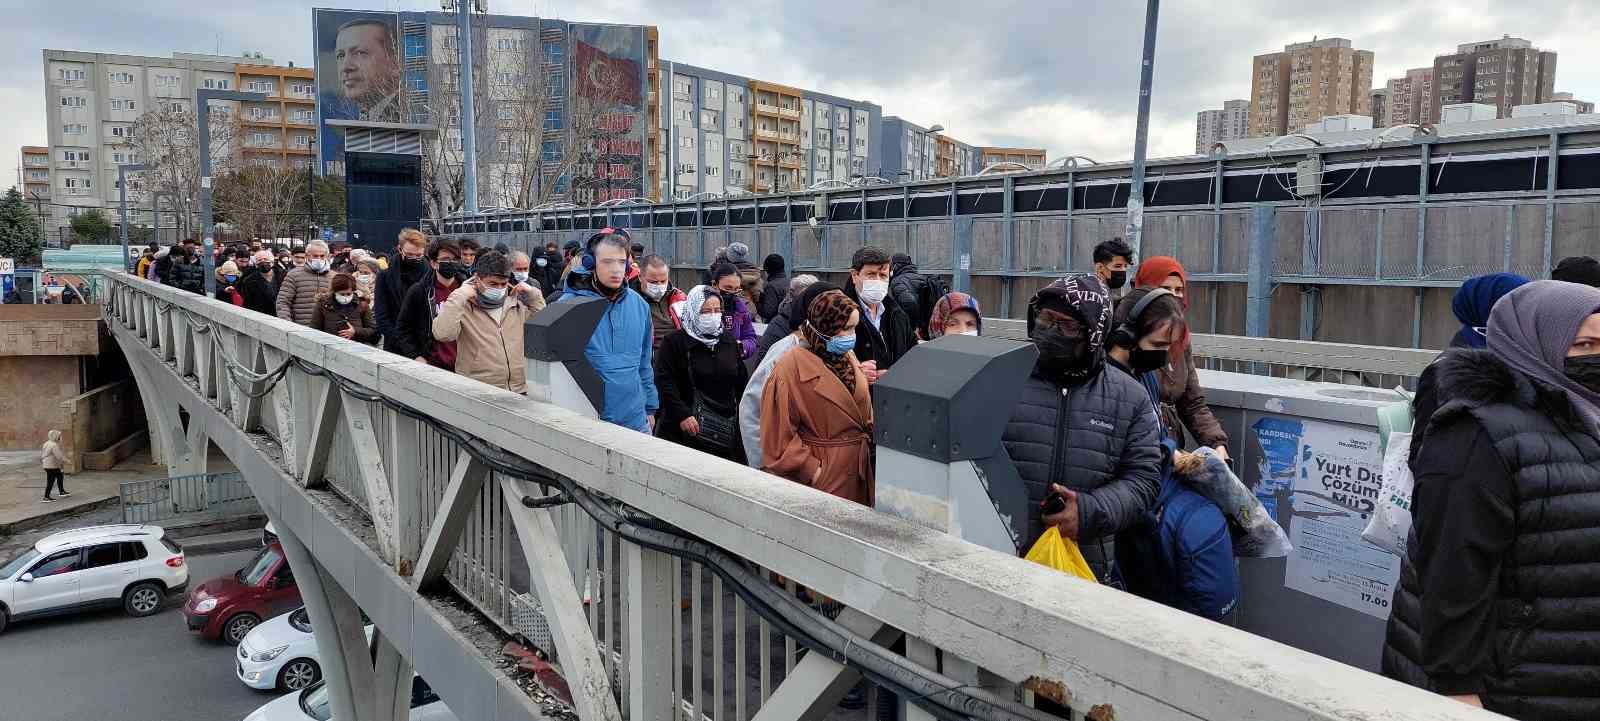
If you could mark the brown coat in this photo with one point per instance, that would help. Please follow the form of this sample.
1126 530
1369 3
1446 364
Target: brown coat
330 317
487 351
810 422
1183 404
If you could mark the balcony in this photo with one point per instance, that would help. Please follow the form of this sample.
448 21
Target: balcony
765 134
789 112
789 160
772 110
270 120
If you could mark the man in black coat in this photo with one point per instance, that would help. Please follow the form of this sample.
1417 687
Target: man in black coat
188 273
256 285
776 290
915 292
407 266
885 331
414 321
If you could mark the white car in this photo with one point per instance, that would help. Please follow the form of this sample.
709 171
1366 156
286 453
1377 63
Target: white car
281 653
311 704
135 567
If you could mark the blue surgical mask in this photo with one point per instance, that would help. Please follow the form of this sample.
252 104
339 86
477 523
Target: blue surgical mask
230 278
492 297
840 345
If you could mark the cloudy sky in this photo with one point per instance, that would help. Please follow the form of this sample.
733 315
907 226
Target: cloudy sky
1052 73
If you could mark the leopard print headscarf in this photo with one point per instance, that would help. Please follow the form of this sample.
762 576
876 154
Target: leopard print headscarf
829 314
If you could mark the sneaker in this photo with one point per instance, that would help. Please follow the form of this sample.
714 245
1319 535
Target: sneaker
64 494
49 500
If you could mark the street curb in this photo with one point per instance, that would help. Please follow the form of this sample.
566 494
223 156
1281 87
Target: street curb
224 543
248 522
56 514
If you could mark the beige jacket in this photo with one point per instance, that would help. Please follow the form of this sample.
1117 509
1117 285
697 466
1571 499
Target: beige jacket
51 456
488 351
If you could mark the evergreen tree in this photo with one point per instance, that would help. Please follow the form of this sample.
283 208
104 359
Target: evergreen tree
20 237
91 226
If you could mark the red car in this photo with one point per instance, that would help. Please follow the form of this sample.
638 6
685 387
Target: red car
227 607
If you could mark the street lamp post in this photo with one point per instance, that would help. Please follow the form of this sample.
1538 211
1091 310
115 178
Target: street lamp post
1141 133
469 120
122 203
202 99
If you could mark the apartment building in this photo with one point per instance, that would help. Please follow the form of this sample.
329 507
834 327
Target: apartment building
1230 122
913 152
1307 82
1584 107
730 134
1380 107
1411 99
33 173
93 101
1034 158
281 130
1503 73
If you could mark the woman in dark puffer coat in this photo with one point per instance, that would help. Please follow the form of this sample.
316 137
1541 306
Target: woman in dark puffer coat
1499 598
343 312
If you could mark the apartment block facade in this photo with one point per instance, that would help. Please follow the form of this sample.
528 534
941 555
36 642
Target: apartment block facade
1230 122
729 134
93 101
911 152
1307 82
1380 107
1033 158
1584 107
1504 73
33 173
281 130
1411 99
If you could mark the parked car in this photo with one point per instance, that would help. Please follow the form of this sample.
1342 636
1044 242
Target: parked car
312 705
131 566
281 653
227 607
269 534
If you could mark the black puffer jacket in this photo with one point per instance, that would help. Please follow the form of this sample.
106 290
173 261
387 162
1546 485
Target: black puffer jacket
915 292
259 294
389 294
1506 541
189 276
1100 439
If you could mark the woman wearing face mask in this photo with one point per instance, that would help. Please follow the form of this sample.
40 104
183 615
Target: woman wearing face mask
366 274
228 284
955 314
344 313
255 284
816 411
700 377
735 312
1499 604
1182 554
1079 432
1183 401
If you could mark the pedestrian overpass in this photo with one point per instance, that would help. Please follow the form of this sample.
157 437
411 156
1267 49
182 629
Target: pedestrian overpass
660 580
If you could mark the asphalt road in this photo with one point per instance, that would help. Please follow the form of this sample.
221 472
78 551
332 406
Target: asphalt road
106 665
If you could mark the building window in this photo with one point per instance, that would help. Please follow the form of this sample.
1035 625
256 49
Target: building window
302 88
552 120
260 86
263 139
302 116
122 104
69 74
166 81
504 78
553 53
711 171
416 46
75 156
73 101
550 151
121 78
74 129
217 83
507 44
417 80
505 112
504 145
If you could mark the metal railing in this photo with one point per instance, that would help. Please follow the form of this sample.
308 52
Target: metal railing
1002 627
163 499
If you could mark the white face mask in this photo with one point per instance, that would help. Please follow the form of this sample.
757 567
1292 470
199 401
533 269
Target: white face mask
873 291
655 290
709 324
542 262
366 280
317 265
344 298
973 331
520 275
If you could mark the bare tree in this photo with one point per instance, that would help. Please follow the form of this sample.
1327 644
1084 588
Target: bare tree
166 140
259 201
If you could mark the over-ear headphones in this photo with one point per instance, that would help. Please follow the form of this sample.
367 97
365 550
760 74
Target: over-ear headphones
586 264
1126 334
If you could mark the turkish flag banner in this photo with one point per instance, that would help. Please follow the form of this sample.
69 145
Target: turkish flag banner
602 77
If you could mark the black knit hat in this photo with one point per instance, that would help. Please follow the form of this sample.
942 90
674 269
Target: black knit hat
1578 269
798 312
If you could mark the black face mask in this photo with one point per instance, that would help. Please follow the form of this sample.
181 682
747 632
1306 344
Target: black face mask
1118 279
1584 370
1144 361
1062 358
728 299
453 269
411 264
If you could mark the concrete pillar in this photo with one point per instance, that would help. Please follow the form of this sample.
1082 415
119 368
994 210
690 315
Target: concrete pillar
336 626
1258 308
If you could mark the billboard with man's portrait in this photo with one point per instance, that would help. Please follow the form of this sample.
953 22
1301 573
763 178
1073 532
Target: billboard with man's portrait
358 68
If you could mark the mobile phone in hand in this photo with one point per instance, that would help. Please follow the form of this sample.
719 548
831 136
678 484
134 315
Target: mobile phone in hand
1052 505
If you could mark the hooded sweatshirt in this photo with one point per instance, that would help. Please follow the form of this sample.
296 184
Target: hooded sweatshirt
51 455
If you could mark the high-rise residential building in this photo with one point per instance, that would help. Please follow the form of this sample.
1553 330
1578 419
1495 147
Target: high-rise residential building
914 152
1503 73
1307 82
282 130
732 135
94 100
1034 158
33 173
1584 107
1380 107
1231 122
1411 98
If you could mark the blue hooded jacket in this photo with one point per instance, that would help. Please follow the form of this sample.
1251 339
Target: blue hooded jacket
1475 299
619 350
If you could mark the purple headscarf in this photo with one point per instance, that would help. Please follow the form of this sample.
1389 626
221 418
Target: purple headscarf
1532 327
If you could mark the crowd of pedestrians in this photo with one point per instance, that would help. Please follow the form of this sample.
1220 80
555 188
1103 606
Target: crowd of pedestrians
1498 603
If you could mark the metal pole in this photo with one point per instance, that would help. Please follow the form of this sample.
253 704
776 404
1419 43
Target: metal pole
122 204
1258 304
1141 132
202 98
469 123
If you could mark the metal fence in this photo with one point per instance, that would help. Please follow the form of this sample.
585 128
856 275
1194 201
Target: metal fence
163 499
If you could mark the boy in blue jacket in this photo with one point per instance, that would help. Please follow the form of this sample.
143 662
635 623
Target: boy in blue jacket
1182 555
619 350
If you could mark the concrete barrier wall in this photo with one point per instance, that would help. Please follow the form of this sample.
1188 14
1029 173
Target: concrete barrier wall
100 418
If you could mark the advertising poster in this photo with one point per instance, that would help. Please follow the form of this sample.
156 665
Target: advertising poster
1335 492
607 112
1280 458
358 73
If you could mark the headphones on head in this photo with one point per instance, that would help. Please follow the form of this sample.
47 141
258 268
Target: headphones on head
586 264
1126 334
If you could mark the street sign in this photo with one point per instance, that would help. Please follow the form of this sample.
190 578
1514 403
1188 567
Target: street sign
7 266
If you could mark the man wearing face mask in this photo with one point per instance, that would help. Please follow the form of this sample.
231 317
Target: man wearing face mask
549 265
414 326
187 271
1111 261
1080 433
662 297
521 268
407 267
256 284
297 297
886 331
484 319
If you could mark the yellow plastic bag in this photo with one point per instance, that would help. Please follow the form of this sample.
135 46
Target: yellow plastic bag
1061 554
